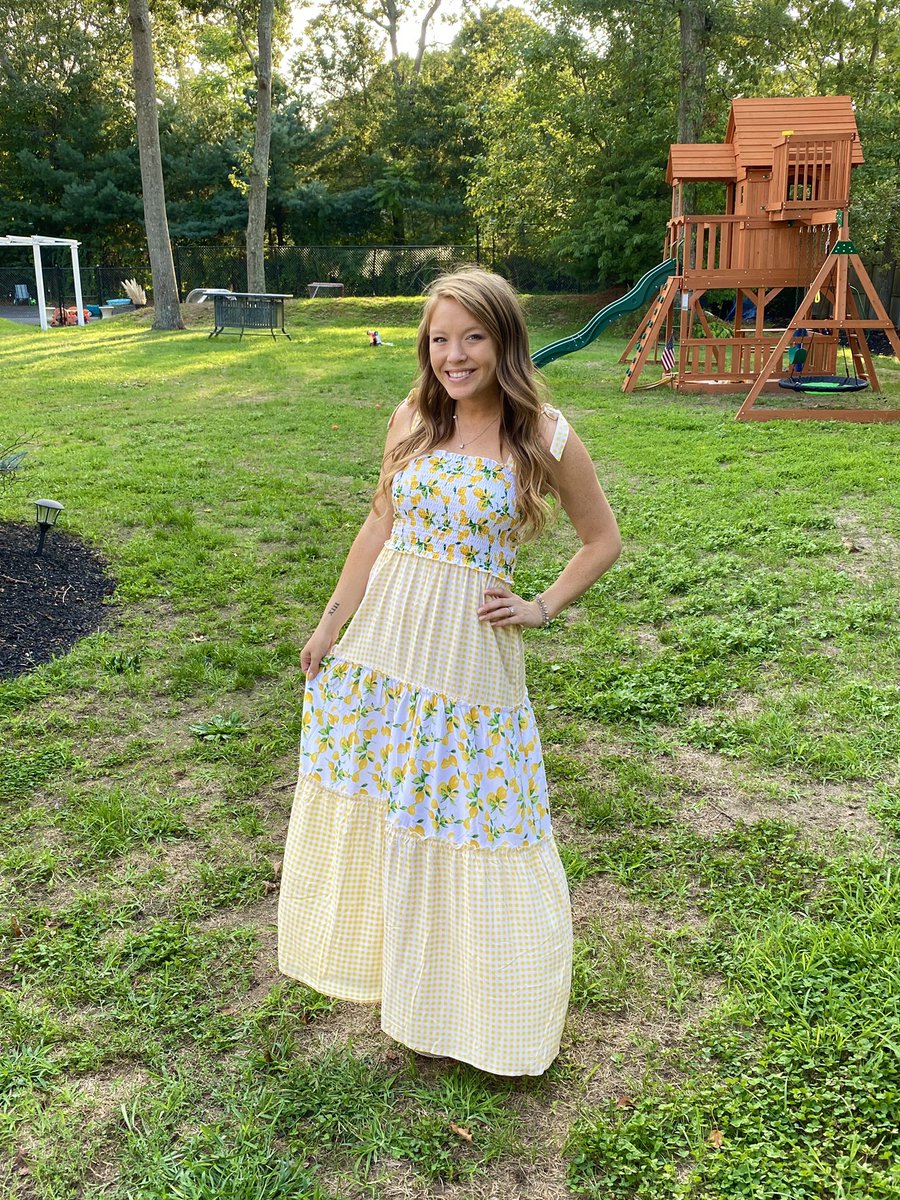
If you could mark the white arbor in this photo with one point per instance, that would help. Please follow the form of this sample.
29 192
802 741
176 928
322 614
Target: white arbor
36 242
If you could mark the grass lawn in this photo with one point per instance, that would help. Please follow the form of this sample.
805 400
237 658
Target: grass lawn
721 724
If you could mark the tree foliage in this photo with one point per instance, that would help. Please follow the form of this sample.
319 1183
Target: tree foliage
545 131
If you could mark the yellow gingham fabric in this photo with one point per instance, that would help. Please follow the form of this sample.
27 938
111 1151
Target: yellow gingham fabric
420 868
440 642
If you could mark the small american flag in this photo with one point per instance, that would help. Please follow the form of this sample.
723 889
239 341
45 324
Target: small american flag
668 357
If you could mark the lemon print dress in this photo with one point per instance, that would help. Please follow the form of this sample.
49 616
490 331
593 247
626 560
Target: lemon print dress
420 869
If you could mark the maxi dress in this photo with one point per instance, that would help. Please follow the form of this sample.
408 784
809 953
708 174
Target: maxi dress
420 868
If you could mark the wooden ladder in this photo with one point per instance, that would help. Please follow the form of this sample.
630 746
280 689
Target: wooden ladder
647 334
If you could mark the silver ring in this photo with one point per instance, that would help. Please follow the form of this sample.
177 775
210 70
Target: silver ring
512 611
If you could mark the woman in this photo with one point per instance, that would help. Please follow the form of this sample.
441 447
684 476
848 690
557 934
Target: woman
420 868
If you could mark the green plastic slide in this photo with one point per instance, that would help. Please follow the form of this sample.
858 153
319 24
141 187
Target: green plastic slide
645 289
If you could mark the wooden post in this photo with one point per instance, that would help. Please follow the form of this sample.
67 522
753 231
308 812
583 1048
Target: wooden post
775 357
875 300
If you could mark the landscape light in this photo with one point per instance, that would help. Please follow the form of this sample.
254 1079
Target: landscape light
46 513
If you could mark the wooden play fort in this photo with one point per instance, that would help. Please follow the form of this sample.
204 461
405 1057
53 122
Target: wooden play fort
786 166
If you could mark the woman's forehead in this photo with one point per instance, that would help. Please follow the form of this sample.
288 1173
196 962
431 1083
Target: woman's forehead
448 311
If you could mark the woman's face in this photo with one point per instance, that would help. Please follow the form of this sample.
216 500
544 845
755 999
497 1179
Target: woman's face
463 354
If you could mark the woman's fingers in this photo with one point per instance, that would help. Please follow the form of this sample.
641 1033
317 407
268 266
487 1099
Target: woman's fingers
497 602
502 607
310 661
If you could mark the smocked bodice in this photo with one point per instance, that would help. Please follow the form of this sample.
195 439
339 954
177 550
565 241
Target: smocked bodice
457 508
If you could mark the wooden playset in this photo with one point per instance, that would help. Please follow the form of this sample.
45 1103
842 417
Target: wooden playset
786 166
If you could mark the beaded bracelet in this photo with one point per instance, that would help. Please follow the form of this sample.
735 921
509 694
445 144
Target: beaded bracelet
543 607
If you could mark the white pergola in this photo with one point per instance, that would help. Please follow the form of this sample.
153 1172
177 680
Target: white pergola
36 242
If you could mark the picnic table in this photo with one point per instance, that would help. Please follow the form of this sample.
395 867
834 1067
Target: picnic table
249 310
329 289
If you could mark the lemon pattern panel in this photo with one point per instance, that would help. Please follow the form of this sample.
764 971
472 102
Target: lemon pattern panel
457 508
466 772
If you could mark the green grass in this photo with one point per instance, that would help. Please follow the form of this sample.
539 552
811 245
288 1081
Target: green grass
721 722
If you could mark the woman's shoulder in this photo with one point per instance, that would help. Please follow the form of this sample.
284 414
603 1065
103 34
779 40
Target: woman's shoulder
555 429
405 416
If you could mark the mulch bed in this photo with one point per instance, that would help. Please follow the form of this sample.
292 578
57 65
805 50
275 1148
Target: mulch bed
48 601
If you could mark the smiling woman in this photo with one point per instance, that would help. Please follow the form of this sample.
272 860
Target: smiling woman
421 869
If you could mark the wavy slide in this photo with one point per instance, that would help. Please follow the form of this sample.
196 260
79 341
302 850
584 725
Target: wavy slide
645 289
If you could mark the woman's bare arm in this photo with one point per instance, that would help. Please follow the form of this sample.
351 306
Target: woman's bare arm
587 508
354 578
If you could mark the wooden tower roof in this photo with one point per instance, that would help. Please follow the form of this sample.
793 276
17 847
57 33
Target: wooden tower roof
755 125
706 161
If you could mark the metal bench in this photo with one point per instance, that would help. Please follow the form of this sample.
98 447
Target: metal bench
249 310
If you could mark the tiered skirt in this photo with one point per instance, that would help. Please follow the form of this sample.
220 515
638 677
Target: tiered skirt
420 869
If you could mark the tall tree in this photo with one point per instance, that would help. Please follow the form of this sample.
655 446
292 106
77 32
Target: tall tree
400 133
694 26
388 15
261 61
166 309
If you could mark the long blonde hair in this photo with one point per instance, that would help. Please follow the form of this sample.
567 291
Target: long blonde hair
495 306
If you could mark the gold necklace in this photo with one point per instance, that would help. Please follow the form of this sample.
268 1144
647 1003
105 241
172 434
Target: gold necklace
462 445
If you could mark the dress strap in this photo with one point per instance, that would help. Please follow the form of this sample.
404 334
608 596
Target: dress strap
561 434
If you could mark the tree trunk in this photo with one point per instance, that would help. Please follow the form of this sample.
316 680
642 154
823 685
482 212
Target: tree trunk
694 28
166 309
259 171
423 35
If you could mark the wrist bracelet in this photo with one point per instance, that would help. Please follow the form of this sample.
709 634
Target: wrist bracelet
543 607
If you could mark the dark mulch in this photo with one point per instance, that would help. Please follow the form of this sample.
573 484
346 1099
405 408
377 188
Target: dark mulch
47 602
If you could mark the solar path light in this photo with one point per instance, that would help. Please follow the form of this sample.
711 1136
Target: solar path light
46 513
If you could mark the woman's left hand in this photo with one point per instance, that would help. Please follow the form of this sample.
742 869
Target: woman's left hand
503 607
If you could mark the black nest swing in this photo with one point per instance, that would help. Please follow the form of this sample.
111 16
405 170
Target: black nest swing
819 385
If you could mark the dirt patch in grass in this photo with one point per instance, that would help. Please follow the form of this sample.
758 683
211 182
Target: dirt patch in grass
544 1179
357 1025
107 1089
869 554
715 797
96 1100
612 1054
599 743
647 638
262 918
601 899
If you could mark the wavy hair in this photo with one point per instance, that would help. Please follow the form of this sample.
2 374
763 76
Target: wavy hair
495 306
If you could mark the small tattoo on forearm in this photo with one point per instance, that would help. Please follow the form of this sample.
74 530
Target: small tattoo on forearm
333 609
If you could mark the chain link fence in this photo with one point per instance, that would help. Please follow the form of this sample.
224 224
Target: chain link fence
368 270
363 271
98 283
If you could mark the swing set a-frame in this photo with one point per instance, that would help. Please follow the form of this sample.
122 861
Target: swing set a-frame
786 164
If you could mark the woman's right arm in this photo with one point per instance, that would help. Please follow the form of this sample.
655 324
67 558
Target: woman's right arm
367 545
